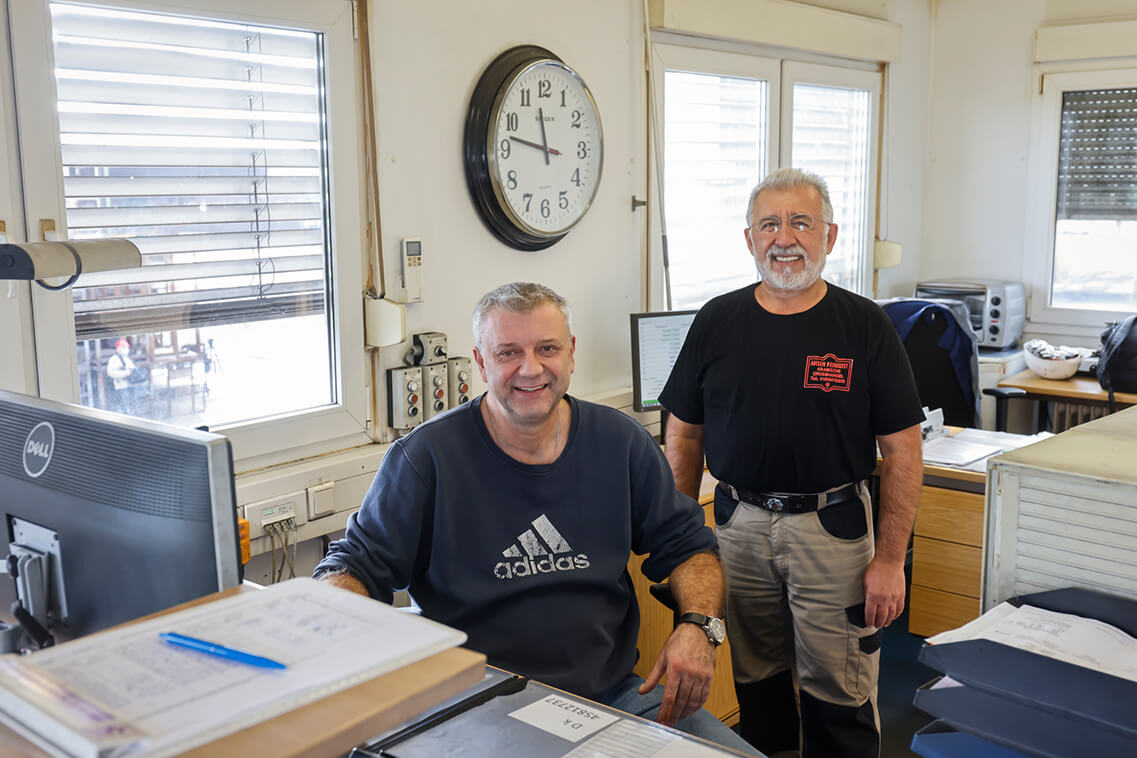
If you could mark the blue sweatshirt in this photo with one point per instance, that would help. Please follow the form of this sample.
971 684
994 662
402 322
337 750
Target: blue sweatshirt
529 560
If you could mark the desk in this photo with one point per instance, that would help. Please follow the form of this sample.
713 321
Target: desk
332 726
572 726
1073 400
947 551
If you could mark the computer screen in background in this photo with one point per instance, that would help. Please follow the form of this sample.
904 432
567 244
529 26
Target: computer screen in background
108 518
656 340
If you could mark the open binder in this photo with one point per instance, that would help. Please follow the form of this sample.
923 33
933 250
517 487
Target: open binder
1029 703
124 691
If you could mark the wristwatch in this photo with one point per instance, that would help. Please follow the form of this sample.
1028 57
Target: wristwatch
714 628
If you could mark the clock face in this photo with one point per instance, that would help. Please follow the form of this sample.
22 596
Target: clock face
546 148
533 148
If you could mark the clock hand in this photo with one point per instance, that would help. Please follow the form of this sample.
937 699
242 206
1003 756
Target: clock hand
544 141
534 144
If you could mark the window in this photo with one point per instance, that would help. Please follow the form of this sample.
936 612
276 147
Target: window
209 143
1086 219
728 120
833 122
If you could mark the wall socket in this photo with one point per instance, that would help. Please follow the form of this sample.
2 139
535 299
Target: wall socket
293 505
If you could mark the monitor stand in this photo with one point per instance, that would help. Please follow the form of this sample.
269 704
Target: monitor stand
34 564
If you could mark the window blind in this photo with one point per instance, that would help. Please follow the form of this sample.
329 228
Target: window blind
202 142
1097 155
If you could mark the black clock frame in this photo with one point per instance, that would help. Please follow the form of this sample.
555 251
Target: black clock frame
475 147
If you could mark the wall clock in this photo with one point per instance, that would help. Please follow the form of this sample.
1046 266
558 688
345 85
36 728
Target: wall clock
533 148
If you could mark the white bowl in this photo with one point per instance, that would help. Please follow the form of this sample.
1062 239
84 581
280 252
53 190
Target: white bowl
1052 368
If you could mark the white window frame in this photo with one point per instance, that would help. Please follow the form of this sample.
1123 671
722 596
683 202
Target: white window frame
796 72
1043 196
714 63
260 442
727 58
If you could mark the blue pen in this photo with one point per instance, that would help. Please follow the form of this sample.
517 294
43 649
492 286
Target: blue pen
220 651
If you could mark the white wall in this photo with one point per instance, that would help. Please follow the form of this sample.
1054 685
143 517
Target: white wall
975 211
905 146
426 64
978 142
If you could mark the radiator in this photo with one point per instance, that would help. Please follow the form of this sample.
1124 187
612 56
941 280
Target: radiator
1064 415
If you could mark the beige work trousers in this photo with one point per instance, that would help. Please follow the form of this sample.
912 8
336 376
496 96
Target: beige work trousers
793 577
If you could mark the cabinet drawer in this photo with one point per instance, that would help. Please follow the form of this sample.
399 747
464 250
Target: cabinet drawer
933 611
946 566
950 515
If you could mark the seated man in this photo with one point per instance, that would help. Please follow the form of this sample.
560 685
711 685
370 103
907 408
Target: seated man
513 516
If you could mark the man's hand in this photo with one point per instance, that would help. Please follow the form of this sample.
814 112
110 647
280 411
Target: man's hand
344 580
884 592
688 660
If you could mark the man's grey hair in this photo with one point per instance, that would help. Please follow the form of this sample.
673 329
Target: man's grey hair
518 297
791 178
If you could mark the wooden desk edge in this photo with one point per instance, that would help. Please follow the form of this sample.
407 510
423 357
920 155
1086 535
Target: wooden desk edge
333 725
1075 388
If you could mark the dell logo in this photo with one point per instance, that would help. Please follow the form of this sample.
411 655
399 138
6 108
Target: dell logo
38 449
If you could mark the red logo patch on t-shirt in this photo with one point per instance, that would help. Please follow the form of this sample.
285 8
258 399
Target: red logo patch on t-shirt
828 372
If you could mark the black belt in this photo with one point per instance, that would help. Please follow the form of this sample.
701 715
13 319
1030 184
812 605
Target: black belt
780 502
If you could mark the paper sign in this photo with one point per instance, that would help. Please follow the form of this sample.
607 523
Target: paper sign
563 717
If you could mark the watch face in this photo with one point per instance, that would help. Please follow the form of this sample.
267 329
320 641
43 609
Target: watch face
716 630
545 148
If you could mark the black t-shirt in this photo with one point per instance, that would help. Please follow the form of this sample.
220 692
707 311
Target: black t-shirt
792 403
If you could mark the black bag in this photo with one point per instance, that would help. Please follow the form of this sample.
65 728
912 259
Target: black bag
1117 367
139 375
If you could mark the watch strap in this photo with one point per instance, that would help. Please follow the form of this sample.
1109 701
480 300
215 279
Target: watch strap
697 619
703 622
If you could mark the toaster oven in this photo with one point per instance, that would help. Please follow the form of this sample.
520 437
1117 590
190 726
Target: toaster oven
997 309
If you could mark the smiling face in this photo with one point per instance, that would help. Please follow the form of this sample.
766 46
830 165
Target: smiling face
526 360
789 239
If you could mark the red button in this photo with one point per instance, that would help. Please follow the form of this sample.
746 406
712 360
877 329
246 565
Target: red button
412 399
438 393
463 388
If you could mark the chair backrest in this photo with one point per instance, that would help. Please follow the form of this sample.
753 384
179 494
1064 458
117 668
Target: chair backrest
944 354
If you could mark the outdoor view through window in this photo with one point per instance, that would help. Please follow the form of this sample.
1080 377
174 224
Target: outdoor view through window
1095 236
202 142
717 133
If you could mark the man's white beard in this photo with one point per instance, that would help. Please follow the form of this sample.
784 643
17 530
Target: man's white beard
789 280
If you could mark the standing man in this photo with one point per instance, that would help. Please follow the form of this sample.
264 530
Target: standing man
788 386
512 518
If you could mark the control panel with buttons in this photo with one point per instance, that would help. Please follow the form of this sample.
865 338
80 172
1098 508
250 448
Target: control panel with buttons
434 388
459 374
430 348
405 397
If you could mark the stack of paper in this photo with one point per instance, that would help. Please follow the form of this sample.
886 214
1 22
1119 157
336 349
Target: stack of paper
126 692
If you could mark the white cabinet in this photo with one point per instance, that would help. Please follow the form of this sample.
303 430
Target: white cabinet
995 365
1063 512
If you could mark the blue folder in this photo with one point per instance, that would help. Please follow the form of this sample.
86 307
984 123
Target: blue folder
1034 704
938 740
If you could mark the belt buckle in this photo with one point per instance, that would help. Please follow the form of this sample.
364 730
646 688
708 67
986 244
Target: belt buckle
775 504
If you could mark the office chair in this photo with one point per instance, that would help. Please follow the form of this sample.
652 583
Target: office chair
943 352
1002 395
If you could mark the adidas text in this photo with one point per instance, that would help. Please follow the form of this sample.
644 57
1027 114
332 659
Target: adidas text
544 565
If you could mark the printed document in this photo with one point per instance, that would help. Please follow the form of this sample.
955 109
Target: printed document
126 692
1081 641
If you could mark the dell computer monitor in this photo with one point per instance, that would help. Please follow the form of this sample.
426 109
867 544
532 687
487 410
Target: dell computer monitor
113 517
656 341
